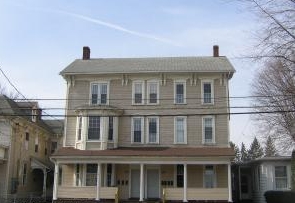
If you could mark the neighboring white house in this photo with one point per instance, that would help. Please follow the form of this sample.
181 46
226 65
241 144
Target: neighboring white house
254 178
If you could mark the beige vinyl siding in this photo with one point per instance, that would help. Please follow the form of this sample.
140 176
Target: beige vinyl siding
68 175
221 175
195 176
121 97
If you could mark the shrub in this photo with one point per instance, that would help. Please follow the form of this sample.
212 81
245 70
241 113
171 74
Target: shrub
279 196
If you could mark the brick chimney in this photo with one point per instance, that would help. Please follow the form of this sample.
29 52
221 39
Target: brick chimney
216 51
86 53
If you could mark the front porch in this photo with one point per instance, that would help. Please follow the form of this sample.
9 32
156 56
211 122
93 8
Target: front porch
143 182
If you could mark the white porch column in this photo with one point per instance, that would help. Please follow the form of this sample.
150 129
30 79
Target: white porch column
104 132
141 182
98 182
56 171
230 199
115 131
184 182
44 181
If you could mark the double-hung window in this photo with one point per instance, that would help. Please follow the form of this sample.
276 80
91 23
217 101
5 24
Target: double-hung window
137 129
153 92
207 92
180 133
179 92
94 128
153 130
209 176
99 93
91 174
109 174
281 180
138 92
208 130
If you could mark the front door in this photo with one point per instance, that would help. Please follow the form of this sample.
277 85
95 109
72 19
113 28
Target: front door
153 183
135 183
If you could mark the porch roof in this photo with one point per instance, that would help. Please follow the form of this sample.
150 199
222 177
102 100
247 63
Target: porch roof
148 152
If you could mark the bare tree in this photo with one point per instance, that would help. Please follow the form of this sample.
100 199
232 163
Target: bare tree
274 90
276 28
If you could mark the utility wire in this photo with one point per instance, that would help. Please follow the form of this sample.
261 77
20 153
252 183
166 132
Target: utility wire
14 87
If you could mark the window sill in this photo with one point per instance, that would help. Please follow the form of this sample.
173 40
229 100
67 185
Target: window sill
180 103
209 143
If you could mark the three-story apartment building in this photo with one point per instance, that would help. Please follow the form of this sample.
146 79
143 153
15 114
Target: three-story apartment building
148 128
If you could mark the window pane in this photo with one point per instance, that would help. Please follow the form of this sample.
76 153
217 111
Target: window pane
207 92
94 128
209 177
80 128
179 175
111 129
103 93
208 129
152 130
281 177
94 92
153 91
179 93
137 130
180 130
138 93
91 174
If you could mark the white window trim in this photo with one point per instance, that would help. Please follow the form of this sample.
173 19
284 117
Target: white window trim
211 81
213 130
148 91
108 92
184 90
142 130
215 176
147 130
142 89
185 130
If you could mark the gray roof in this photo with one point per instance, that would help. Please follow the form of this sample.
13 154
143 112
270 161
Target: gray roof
149 65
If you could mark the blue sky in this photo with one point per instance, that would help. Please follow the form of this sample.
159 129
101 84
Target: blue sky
39 38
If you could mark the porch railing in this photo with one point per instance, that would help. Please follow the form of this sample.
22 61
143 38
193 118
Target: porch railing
196 194
86 192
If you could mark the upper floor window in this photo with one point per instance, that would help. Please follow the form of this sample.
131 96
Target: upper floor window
180 133
281 180
179 92
94 128
138 92
209 176
99 93
152 92
53 147
79 129
111 129
208 130
153 130
207 92
137 130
